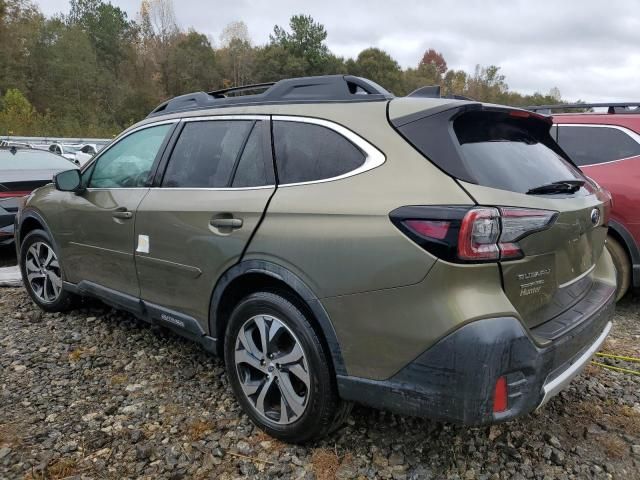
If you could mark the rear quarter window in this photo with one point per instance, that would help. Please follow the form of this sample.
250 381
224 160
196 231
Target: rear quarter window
590 145
306 152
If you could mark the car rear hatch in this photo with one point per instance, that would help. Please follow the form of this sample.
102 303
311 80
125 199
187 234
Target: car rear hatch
548 221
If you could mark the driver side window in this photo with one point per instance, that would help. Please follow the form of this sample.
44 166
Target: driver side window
128 163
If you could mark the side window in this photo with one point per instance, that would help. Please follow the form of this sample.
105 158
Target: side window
593 145
255 167
306 152
205 154
128 163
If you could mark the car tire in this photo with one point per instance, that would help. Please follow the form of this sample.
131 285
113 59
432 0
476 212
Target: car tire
42 273
289 390
623 266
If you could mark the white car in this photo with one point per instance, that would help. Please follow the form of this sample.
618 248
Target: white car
78 154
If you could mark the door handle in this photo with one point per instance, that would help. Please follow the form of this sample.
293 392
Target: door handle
122 213
232 223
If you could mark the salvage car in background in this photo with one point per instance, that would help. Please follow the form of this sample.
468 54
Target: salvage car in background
606 146
22 170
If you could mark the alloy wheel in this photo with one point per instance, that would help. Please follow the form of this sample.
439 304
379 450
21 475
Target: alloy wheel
43 272
272 369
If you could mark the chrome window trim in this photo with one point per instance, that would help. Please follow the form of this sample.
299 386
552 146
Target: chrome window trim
374 157
122 136
224 189
225 117
627 131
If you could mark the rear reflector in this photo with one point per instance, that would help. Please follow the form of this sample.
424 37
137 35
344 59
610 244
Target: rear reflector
429 228
500 396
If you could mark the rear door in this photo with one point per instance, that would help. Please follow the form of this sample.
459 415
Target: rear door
499 156
195 223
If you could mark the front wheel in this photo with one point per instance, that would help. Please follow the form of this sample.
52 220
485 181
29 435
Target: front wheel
42 273
279 369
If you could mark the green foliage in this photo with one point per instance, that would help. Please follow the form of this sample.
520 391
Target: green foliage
378 66
18 115
94 71
305 44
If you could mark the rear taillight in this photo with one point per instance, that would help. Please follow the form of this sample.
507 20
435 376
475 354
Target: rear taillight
481 234
434 229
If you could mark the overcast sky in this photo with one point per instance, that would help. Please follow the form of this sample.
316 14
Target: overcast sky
589 49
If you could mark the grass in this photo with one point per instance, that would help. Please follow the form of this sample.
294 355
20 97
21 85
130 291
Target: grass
118 379
197 429
325 463
613 446
76 354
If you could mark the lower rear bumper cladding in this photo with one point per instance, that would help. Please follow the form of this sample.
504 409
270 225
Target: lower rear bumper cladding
454 380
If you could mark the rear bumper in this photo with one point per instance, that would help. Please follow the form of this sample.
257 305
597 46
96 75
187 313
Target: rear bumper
455 379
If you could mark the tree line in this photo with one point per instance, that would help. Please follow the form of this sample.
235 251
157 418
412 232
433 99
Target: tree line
93 71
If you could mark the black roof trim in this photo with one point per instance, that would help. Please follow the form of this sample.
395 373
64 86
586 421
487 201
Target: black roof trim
612 107
428 112
327 88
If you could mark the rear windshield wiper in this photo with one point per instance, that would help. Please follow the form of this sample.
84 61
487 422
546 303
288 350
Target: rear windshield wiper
562 186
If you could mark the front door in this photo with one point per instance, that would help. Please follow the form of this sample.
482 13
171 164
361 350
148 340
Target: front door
196 224
97 240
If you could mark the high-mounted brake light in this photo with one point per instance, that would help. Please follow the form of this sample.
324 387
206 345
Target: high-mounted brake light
479 234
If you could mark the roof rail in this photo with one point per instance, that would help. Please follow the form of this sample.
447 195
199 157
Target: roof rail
222 93
612 107
326 88
433 91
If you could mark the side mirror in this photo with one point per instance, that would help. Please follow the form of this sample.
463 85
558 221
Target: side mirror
68 181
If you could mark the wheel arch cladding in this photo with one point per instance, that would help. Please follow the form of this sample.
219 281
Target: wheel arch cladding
28 224
255 275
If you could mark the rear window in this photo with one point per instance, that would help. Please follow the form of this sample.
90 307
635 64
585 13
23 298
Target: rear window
491 148
593 145
509 153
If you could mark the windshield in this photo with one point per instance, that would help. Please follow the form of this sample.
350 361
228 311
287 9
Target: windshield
32 160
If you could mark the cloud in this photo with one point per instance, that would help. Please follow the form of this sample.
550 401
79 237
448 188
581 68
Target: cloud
586 49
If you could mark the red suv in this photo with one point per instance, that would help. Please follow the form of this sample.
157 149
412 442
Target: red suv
606 146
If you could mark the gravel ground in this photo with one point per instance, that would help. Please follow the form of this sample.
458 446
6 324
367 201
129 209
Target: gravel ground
98 394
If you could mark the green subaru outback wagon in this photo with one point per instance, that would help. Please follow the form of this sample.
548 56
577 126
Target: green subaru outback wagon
430 256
